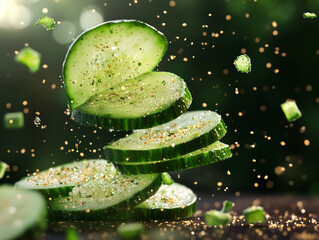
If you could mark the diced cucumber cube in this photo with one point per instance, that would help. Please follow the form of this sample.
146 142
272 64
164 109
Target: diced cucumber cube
291 110
255 214
14 120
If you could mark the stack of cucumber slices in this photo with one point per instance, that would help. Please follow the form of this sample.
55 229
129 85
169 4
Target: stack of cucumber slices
110 83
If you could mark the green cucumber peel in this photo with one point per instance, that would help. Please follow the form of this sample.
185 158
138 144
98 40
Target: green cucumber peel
215 152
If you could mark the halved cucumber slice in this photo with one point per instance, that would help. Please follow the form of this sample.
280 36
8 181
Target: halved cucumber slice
171 202
59 181
107 55
187 133
215 152
146 101
22 213
100 200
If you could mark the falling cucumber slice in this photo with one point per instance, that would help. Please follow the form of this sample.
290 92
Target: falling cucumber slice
171 202
59 181
146 101
215 152
22 213
187 133
100 200
109 54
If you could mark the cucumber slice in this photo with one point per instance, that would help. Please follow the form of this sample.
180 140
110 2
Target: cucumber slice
100 200
215 152
107 55
22 213
187 133
156 97
171 202
59 181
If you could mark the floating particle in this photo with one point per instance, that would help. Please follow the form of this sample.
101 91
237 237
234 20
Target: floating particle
219 218
130 230
279 170
255 214
291 110
309 15
3 169
14 120
47 22
243 63
37 121
30 58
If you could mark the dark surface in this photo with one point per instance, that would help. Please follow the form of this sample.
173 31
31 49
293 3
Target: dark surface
288 217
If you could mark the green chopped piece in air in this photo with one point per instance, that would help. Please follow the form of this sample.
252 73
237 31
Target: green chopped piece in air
167 179
3 168
47 22
14 120
309 15
217 218
130 230
255 214
243 63
30 58
72 234
228 206
291 110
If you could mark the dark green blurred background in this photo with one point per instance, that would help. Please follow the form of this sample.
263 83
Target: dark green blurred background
216 32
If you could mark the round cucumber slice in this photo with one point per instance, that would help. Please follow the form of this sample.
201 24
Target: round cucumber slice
171 202
107 55
187 133
59 181
100 200
155 98
22 213
215 152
